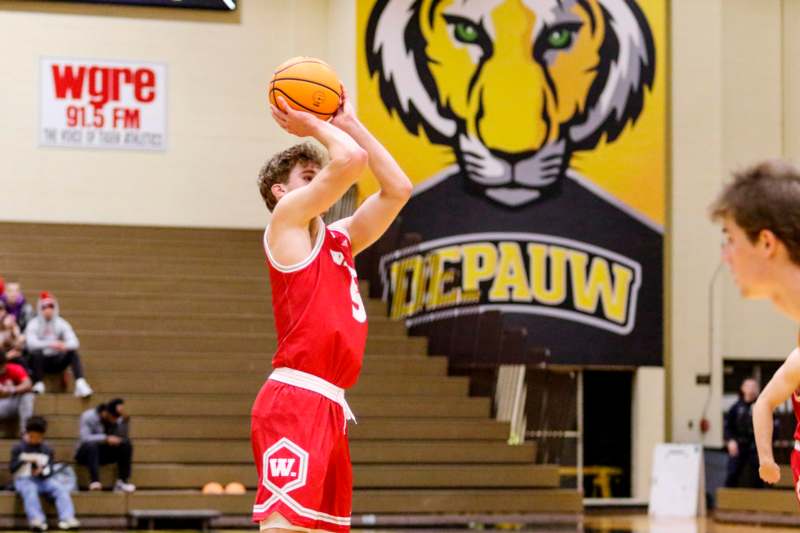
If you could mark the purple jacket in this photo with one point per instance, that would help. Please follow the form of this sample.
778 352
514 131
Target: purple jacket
21 310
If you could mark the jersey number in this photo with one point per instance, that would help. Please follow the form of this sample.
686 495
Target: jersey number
359 313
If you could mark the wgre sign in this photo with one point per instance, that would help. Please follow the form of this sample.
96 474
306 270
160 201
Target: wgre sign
103 104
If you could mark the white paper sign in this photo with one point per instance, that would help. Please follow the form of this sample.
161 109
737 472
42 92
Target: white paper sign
678 482
103 104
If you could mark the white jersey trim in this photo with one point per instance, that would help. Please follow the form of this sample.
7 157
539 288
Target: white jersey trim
286 269
305 512
304 380
278 521
339 226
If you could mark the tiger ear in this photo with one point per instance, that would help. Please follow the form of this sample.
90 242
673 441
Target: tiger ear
631 69
395 50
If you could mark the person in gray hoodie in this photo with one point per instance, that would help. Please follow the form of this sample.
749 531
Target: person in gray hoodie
52 346
103 439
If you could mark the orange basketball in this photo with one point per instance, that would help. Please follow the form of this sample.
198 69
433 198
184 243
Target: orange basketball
212 487
307 84
234 487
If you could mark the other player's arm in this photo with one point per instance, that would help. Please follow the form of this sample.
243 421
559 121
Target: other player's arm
779 389
296 209
378 211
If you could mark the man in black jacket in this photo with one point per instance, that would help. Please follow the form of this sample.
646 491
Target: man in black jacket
740 441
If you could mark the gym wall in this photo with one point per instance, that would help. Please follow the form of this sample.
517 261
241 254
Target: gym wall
735 67
219 131
734 71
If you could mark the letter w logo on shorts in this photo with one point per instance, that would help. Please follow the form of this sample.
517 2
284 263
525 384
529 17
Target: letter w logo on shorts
285 467
281 467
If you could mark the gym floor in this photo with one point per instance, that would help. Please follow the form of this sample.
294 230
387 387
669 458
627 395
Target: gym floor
592 524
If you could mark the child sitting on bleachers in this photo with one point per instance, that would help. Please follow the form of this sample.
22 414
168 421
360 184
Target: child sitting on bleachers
32 465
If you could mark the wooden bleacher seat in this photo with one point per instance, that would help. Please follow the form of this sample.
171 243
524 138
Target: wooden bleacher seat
770 505
179 323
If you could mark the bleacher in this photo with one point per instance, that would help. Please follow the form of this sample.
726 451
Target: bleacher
774 505
179 323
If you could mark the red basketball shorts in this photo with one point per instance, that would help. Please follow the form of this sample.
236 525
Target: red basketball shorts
302 457
795 463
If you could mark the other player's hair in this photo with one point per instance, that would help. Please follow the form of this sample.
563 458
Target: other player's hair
765 196
277 169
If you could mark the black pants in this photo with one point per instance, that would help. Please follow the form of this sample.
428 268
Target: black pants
39 364
94 454
743 469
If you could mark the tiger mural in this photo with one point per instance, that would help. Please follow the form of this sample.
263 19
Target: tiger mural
579 71
514 88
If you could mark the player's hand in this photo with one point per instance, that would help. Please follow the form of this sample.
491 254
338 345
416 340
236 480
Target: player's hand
733 448
769 472
113 440
295 122
345 116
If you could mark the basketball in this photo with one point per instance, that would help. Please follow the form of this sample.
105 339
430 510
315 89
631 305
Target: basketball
234 487
212 487
307 84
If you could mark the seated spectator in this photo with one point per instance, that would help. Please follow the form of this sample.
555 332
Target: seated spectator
16 398
104 440
740 441
52 346
17 305
12 341
32 465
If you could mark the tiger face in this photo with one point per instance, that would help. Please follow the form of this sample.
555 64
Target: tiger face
514 86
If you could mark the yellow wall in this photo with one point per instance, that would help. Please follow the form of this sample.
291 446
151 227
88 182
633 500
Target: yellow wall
648 427
219 128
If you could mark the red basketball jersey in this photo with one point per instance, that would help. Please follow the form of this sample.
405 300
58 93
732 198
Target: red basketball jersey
796 406
319 315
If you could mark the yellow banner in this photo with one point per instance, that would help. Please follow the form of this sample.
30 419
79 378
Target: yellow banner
535 134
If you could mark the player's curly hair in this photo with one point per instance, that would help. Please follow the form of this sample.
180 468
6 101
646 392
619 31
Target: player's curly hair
277 169
764 196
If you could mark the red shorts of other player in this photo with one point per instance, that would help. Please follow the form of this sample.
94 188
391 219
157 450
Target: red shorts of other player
302 454
795 462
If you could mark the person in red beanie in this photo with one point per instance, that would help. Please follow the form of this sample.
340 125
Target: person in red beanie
53 346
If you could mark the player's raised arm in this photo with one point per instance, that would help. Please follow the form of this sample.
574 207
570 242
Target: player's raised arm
378 211
347 161
779 389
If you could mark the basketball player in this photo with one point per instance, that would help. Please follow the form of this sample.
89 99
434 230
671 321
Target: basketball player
760 214
299 417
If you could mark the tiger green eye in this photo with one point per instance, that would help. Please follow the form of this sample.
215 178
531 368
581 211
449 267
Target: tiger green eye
466 33
559 38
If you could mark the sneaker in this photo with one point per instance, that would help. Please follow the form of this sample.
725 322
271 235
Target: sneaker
38 525
38 387
82 388
70 523
95 485
124 486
